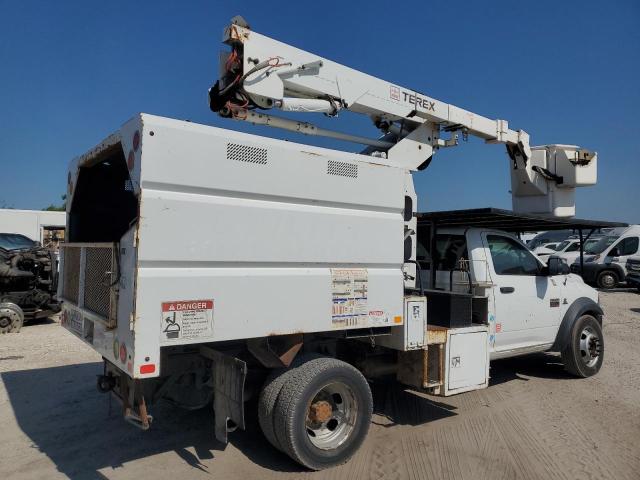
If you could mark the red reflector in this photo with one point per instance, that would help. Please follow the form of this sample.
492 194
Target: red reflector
136 140
131 160
148 368
123 352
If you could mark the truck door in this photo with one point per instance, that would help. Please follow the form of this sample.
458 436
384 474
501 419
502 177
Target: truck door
527 303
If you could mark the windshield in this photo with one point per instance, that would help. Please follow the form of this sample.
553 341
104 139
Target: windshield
549 237
563 245
601 245
14 241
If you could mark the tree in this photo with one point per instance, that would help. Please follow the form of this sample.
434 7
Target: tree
58 208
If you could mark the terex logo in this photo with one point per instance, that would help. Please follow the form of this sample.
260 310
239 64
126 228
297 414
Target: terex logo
418 101
396 94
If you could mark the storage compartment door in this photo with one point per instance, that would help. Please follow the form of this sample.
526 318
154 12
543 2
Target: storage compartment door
467 360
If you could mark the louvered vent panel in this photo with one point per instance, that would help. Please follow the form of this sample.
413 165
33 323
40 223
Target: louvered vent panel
342 168
244 153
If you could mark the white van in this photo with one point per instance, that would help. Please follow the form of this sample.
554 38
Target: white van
605 265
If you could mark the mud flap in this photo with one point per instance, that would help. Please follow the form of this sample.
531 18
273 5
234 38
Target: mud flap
229 374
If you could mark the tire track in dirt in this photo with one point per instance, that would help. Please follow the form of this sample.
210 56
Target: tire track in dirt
387 462
530 457
594 453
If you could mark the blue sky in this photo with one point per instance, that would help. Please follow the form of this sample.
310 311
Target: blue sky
565 71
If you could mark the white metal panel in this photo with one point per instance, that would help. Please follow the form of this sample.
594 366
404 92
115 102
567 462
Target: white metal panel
467 359
256 225
410 335
416 321
183 156
254 302
203 230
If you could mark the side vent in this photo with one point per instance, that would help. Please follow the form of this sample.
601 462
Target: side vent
342 168
244 153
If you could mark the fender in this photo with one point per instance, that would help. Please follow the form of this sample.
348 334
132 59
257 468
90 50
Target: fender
579 307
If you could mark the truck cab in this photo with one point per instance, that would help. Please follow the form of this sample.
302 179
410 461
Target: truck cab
527 300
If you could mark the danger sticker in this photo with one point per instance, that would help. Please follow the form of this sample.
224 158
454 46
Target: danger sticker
187 319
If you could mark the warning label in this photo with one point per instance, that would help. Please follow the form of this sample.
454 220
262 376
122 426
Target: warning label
187 319
349 288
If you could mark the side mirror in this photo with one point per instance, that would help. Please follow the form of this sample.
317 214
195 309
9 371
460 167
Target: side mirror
556 266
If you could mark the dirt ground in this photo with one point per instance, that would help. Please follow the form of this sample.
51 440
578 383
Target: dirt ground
533 421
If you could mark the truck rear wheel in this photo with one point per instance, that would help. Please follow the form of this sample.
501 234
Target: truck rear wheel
269 395
584 354
607 279
322 413
266 405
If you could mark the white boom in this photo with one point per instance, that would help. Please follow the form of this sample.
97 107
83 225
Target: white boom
262 73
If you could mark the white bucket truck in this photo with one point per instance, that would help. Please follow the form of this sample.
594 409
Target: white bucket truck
202 261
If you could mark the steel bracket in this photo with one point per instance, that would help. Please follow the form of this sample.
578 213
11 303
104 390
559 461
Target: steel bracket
277 351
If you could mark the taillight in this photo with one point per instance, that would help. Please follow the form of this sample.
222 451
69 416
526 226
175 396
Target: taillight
147 368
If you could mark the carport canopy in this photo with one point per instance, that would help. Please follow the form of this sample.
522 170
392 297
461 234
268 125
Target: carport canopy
509 221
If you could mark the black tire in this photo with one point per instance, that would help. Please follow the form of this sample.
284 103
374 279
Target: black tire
266 405
586 342
607 279
269 394
311 381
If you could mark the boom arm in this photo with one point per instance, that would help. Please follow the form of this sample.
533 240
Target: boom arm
262 73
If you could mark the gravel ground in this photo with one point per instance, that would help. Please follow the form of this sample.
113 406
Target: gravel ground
533 421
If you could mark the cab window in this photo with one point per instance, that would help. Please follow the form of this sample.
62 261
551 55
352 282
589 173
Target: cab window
574 247
450 250
627 246
510 257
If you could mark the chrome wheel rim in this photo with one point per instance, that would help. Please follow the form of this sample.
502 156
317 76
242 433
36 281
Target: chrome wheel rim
331 416
589 347
10 319
608 281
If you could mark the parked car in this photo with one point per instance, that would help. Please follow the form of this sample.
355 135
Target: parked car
633 272
526 237
546 238
605 265
569 250
544 251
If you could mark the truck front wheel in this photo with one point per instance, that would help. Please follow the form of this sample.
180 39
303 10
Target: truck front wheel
322 413
607 279
584 353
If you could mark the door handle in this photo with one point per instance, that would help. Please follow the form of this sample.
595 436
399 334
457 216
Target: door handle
507 289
